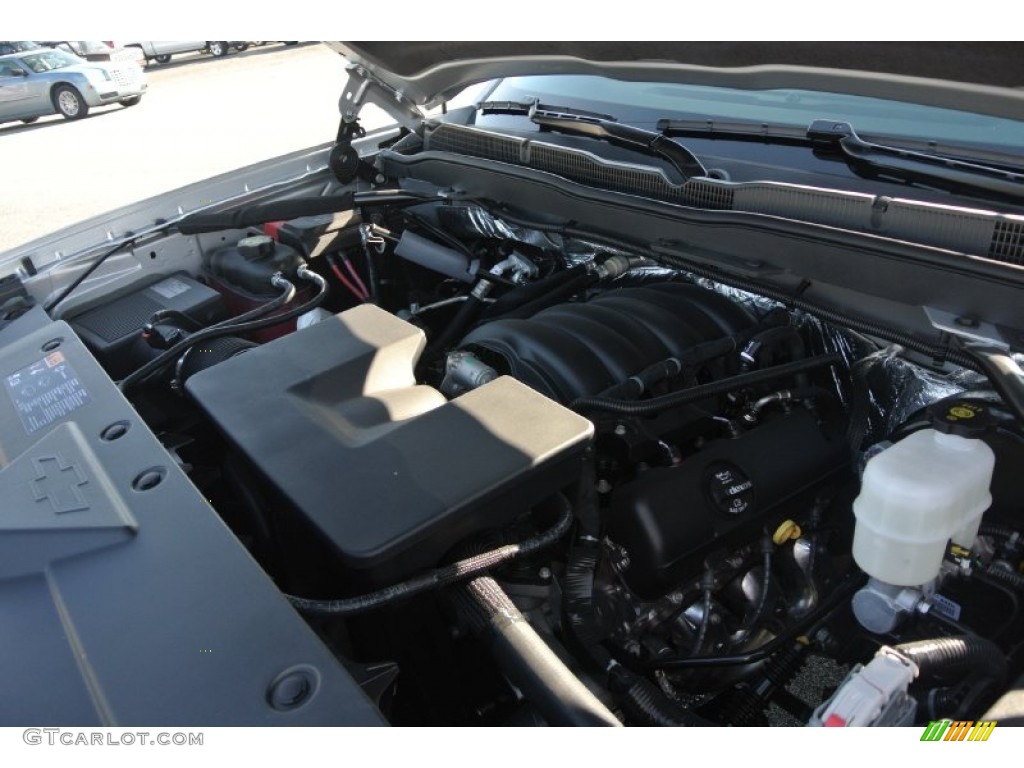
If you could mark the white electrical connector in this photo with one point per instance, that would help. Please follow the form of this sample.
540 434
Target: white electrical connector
875 694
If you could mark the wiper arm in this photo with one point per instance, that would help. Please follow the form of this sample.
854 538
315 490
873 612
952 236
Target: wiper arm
734 130
864 157
527 108
916 166
604 127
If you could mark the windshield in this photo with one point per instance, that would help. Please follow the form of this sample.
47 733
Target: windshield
17 46
46 61
643 104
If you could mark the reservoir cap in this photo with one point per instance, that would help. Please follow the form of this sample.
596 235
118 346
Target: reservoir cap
965 418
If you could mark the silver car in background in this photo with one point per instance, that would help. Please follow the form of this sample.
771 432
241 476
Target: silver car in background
98 50
48 81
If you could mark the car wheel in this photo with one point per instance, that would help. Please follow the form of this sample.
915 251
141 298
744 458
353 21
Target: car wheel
29 119
162 58
241 47
69 102
218 48
131 101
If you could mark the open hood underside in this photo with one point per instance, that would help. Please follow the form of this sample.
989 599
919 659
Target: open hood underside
986 78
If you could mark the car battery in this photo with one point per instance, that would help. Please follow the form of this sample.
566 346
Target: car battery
113 330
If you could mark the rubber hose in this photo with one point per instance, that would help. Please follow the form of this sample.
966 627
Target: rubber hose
1007 577
456 329
527 293
556 296
1002 531
694 394
644 702
694 357
959 654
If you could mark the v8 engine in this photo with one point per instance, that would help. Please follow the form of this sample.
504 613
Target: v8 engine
516 475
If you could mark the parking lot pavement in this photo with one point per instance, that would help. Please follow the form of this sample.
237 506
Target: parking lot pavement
200 117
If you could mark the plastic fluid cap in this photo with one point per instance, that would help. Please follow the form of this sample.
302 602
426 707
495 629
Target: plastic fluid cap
786 531
926 489
963 418
256 247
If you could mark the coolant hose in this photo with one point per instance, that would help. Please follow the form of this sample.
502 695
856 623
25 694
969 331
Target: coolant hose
527 661
959 653
695 394
965 655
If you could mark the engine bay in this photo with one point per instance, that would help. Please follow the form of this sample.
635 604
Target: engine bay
513 474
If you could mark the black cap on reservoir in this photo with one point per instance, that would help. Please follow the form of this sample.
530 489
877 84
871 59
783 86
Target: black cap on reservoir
966 418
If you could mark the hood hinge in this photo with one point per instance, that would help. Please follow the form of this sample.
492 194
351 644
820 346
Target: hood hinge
362 88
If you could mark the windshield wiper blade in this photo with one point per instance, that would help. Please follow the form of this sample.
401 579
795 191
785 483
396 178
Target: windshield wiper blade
867 158
606 127
733 130
913 166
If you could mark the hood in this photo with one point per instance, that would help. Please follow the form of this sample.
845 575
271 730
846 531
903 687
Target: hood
986 78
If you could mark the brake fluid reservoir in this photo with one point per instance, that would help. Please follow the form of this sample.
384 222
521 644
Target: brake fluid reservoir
926 489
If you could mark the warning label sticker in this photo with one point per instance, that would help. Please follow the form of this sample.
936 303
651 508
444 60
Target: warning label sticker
170 287
943 606
45 391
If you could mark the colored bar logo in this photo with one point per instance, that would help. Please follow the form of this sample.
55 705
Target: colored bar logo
958 730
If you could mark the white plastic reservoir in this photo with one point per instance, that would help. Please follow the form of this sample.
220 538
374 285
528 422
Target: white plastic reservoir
926 489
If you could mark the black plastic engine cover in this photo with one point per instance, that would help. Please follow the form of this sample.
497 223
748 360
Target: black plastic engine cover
386 471
669 519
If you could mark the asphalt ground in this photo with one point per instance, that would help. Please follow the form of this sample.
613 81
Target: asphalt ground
200 117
